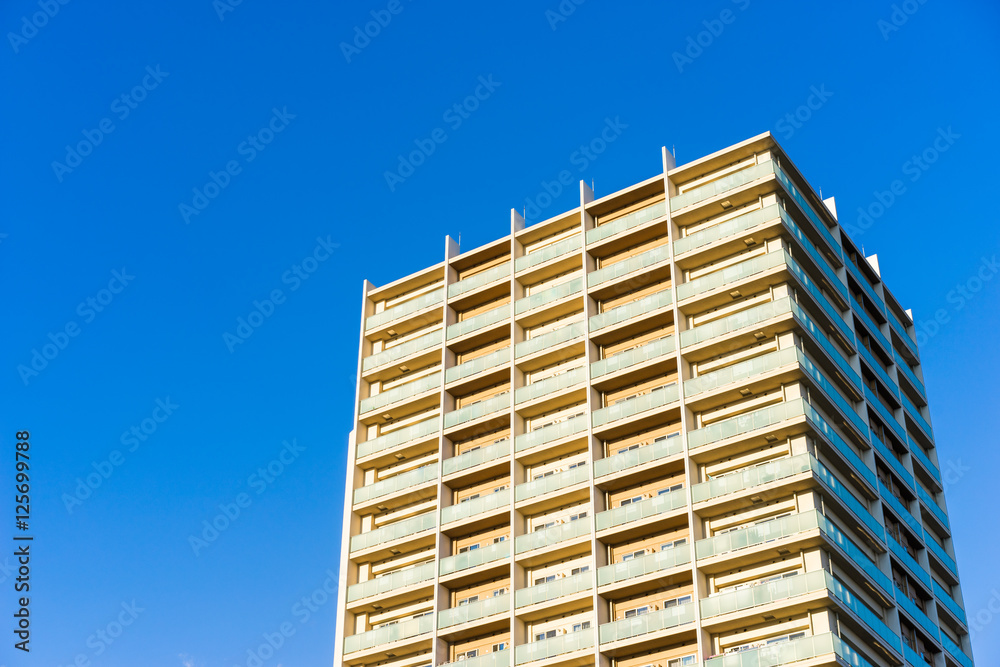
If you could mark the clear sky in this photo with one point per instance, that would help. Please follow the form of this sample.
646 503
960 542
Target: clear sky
167 167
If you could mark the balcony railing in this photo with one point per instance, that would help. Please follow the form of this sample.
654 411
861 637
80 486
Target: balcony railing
553 535
855 553
887 416
911 564
474 558
388 634
745 423
879 370
402 350
544 485
643 565
818 224
550 385
833 393
790 652
549 339
946 598
628 311
479 280
904 366
955 651
626 222
492 659
759 533
866 287
396 483
820 337
549 648
764 473
766 593
859 509
480 505
643 509
873 328
656 349
553 590
731 274
867 616
632 406
918 454
914 659
892 460
902 510
405 308
478 365
741 320
900 329
722 185
627 266
557 249
726 229
912 410
932 505
818 258
498 403
396 438
846 450
917 614
394 531
497 450
549 295
817 294
401 393
480 321
740 372
654 621
391 582
546 434
658 449
935 548
474 611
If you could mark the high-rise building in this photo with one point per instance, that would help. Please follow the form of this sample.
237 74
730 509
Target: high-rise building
682 424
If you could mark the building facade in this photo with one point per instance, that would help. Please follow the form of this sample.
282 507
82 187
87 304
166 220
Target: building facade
682 424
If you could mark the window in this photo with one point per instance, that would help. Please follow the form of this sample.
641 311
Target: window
469 654
675 487
498 540
500 591
545 635
634 554
545 580
581 515
543 526
471 547
468 498
577 627
676 601
683 662
578 464
579 570
629 501
468 600
500 488
671 545
502 646
629 448
471 449
638 611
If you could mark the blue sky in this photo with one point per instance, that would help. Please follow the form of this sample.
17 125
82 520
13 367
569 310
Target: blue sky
211 155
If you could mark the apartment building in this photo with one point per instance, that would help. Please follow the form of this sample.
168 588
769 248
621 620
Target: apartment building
682 424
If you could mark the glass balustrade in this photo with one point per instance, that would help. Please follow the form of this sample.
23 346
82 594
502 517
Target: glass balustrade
498 403
912 410
949 601
627 266
550 385
656 349
632 406
643 509
899 508
478 365
820 337
553 590
480 321
479 280
932 505
654 621
789 652
546 434
879 370
492 659
626 222
817 295
497 450
391 582
888 417
846 450
741 320
759 533
745 423
658 449
553 535
393 531
731 274
872 328
918 453
800 199
866 287
388 634
549 339
549 648
647 304
935 548
402 350
912 658
833 393
396 483
761 594
726 229
396 438
740 371
406 308
892 460
474 558
868 617
917 614
904 366
548 296
751 477
544 485
549 252
818 258
480 505
855 553
900 330
911 564
955 651
401 393
721 185
643 565
859 509
474 611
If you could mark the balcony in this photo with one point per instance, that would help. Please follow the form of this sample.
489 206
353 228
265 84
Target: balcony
401 351
859 509
904 366
644 509
862 611
917 614
872 328
550 433
918 453
394 531
498 403
818 258
899 508
474 611
878 369
630 407
833 394
479 280
932 505
748 422
655 350
741 320
818 224
549 252
627 266
731 274
955 651
552 483
787 653
402 436
550 339
854 553
657 450
474 558
817 295
726 229
549 536
547 296
935 548
654 621
757 534
720 186
639 307
900 330
478 365
892 460
767 593
478 322
839 444
404 309
553 590
497 450
820 338
550 385
549 648
909 562
626 222
948 601
492 659
914 414
644 565
396 483
470 508
388 634
401 393
866 287
764 473
391 582
740 372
